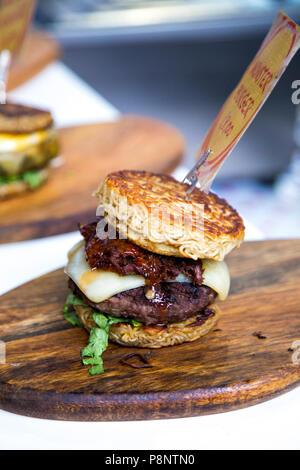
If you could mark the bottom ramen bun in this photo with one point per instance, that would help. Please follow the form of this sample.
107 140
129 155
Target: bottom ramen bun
155 336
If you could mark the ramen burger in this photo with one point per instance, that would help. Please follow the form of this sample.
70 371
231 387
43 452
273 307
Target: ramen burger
28 142
148 271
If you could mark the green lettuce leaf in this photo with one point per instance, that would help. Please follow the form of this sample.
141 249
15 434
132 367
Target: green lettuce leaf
74 300
9 179
98 340
123 320
91 354
72 318
32 178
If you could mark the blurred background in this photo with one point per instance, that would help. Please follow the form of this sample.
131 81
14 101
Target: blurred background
178 60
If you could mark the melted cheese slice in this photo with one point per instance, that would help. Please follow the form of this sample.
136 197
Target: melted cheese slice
216 276
96 284
20 142
99 285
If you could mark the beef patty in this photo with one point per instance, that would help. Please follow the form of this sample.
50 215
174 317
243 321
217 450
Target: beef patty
173 302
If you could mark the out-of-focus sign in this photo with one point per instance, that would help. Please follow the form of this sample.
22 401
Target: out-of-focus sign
239 110
15 16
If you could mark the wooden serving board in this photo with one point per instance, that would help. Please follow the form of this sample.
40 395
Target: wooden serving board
227 369
89 153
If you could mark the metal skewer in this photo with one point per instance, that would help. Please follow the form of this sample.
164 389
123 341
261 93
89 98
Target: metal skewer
192 177
5 59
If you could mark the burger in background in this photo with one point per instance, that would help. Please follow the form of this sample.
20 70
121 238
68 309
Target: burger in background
28 143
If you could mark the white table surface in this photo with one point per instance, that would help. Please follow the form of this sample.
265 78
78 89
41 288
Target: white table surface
272 425
69 98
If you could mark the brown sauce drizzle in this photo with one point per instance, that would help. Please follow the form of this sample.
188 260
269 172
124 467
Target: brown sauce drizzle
259 335
144 358
200 319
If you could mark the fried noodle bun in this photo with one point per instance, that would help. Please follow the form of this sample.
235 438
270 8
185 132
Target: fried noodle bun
16 118
151 211
154 336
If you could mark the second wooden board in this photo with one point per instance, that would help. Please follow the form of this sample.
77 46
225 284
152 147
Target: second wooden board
89 153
